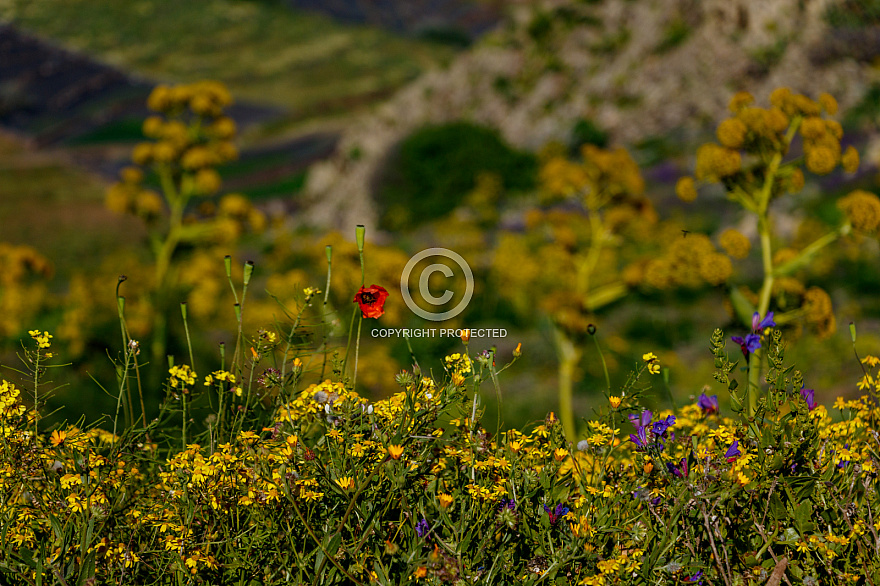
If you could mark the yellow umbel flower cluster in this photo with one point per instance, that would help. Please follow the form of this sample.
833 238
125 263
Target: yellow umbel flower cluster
750 139
603 174
191 138
691 261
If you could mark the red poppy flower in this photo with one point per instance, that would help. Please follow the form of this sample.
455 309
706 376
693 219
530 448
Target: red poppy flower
371 300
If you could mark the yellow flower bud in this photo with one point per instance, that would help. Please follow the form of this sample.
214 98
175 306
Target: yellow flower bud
828 103
862 209
735 243
685 189
739 101
207 181
821 160
732 133
131 175
850 159
159 99
142 153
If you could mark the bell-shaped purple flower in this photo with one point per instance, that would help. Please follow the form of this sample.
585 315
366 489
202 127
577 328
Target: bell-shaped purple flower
422 527
661 426
809 397
733 452
709 405
640 438
556 514
752 341
759 324
748 344
640 420
681 471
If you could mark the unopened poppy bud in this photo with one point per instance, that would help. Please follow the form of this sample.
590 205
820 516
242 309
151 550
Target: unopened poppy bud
359 235
591 329
517 352
248 271
465 336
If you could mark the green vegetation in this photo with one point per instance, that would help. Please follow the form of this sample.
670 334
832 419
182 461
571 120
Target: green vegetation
676 32
585 131
436 167
853 13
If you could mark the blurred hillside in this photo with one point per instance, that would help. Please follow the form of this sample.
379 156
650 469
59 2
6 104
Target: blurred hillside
642 72
457 21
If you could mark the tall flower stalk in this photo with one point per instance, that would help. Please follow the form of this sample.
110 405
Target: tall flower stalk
753 162
190 137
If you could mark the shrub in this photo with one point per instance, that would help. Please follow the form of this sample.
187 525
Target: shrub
435 168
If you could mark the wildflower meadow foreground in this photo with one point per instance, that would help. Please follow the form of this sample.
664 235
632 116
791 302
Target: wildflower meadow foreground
267 467
316 485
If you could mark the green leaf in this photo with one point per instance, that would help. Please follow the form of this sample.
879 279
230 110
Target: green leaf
318 560
777 508
742 306
802 514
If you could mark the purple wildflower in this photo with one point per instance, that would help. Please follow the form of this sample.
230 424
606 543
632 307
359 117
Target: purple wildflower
507 504
556 514
748 345
733 451
759 324
658 430
422 527
709 405
681 470
809 397
641 420
753 341
661 426
696 578
655 501
640 438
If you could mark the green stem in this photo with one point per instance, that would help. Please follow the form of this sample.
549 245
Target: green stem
585 270
36 393
357 348
807 253
494 376
183 431
569 357
604 365
763 203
